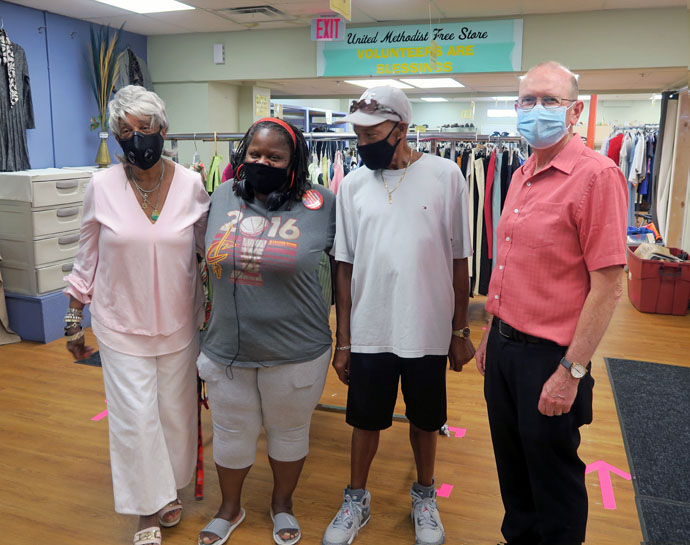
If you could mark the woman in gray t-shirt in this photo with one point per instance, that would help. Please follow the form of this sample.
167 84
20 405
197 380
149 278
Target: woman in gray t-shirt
265 354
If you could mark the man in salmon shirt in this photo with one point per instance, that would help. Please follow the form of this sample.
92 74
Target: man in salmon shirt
553 290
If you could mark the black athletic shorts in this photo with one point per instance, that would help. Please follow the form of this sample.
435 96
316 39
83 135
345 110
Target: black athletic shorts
373 389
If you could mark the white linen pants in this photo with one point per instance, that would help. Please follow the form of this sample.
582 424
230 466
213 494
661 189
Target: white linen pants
152 420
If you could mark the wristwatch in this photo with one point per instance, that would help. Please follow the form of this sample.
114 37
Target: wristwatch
463 333
577 370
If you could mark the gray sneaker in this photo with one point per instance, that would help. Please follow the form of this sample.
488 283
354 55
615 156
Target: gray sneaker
428 528
353 515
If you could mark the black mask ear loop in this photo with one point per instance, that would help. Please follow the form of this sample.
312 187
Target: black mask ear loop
391 132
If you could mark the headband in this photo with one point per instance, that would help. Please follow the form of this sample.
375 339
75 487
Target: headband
282 124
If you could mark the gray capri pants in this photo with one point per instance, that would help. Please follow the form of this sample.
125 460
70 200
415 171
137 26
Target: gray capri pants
282 398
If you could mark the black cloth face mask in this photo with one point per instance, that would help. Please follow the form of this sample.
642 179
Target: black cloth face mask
143 150
379 154
264 179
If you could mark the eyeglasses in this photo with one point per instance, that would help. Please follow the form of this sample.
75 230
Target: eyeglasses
548 102
370 106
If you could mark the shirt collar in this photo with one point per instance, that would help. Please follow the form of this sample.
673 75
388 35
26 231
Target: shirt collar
566 159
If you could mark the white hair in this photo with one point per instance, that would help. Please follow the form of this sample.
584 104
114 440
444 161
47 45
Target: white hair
137 101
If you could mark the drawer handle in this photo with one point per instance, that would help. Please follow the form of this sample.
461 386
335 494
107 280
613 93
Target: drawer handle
67 212
67 267
67 185
68 239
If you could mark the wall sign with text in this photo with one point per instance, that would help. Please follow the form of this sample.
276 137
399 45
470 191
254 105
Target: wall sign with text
477 46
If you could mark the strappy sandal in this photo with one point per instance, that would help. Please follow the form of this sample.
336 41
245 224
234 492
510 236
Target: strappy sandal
148 536
283 522
174 505
221 528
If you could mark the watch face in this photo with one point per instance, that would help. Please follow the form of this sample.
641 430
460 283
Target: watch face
466 332
577 370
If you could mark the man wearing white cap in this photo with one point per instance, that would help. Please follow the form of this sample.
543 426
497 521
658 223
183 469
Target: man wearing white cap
401 246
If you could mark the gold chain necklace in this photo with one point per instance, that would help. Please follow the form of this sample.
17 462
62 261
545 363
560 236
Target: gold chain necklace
145 193
390 193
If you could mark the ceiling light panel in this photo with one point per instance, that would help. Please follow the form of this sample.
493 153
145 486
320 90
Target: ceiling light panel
433 83
434 99
501 113
377 83
148 6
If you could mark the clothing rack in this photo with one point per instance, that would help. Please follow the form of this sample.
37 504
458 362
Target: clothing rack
645 127
310 137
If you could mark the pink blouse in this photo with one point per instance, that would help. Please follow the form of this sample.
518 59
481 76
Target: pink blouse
140 278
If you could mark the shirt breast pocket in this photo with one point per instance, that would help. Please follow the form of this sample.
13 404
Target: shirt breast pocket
541 224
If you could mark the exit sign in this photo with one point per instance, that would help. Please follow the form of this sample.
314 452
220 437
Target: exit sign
328 29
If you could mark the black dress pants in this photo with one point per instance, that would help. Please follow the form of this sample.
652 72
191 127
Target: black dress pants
541 477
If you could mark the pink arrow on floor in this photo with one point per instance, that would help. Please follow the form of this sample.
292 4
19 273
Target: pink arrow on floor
101 415
459 432
444 490
605 469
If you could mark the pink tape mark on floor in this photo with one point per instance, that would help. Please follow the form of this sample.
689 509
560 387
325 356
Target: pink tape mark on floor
604 469
101 415
444 490
459 432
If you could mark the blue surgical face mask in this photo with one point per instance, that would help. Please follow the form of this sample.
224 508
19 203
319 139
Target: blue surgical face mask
541 127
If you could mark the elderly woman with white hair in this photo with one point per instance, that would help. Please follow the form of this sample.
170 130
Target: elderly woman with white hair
143 224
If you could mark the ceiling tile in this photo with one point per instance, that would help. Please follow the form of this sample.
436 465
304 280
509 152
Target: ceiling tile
301 8
223 4
560 6
466 9
198 20
635 4
140 24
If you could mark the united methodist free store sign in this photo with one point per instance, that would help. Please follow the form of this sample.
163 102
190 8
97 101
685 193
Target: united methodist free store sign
477 46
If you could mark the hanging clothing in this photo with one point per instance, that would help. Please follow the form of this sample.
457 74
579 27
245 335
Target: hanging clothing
214 177
324 170
488 216
485 261
132 70
479 232
228 173
626 150
614 148
8 61
338 172
16 106
313 172
506 175
495 204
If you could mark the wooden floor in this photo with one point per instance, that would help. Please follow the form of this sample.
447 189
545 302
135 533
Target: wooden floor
55 485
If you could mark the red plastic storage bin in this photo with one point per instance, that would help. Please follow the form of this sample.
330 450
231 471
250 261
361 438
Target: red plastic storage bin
659 287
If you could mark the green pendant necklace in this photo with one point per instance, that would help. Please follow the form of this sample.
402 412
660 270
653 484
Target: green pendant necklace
145 203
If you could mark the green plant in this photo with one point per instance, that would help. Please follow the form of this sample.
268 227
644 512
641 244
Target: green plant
105 61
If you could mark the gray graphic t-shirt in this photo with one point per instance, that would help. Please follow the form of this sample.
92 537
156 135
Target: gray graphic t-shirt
263 269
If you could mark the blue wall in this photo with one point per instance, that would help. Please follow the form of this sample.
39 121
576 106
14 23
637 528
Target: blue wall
57 49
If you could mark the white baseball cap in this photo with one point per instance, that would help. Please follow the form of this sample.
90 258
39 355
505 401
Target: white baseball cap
379 104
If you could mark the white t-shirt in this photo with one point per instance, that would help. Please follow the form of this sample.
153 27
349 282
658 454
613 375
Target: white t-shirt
402 255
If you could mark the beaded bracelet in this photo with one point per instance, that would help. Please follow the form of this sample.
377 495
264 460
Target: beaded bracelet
75 337
73 315
347 347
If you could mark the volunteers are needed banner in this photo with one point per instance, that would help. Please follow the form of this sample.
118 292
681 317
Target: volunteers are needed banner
477 46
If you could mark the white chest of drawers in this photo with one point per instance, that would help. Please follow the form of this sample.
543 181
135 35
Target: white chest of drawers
40 216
